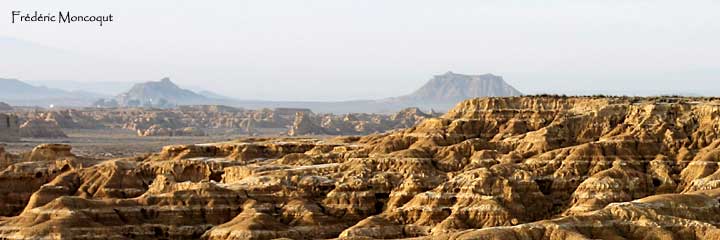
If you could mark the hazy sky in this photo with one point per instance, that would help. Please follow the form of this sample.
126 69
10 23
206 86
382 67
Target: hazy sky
336 49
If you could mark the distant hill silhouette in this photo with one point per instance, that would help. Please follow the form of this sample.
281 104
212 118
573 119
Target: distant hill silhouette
213 95
452 87
161 93
440 93
19 93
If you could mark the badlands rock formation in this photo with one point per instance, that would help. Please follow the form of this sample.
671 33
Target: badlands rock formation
306 123
201 119
491 168
157 130
40 128
26 173
9 131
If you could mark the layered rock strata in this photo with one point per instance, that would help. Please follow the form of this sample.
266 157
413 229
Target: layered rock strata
491 168
9 128
40 128
202 119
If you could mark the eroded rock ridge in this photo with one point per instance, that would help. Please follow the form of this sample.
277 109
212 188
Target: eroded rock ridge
491 168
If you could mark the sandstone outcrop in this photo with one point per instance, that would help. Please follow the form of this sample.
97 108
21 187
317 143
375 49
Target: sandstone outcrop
40 128
540 167
71 118
157 130
24 174
304 126
200 120
9 129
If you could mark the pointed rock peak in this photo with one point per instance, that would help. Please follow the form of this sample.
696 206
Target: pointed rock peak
149 93
166 83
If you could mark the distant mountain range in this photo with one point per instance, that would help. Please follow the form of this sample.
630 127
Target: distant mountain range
103 88
439 93
19 93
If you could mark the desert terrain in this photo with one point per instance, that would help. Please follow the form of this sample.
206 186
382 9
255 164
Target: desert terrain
110 143
124 132
531 167
360 120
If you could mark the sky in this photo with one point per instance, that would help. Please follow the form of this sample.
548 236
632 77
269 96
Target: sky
367 49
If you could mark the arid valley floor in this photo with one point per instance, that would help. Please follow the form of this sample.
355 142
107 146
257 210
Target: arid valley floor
109 143
542 167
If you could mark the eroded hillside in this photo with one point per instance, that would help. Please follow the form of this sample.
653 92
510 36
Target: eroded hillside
491 168
203 120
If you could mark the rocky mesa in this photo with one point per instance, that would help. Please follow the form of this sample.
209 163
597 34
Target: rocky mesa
543 167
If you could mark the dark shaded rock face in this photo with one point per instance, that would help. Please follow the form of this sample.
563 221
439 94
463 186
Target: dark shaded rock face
491 168
9 129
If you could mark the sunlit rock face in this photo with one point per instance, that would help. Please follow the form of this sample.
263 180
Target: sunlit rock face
491 168
199 120
40 128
